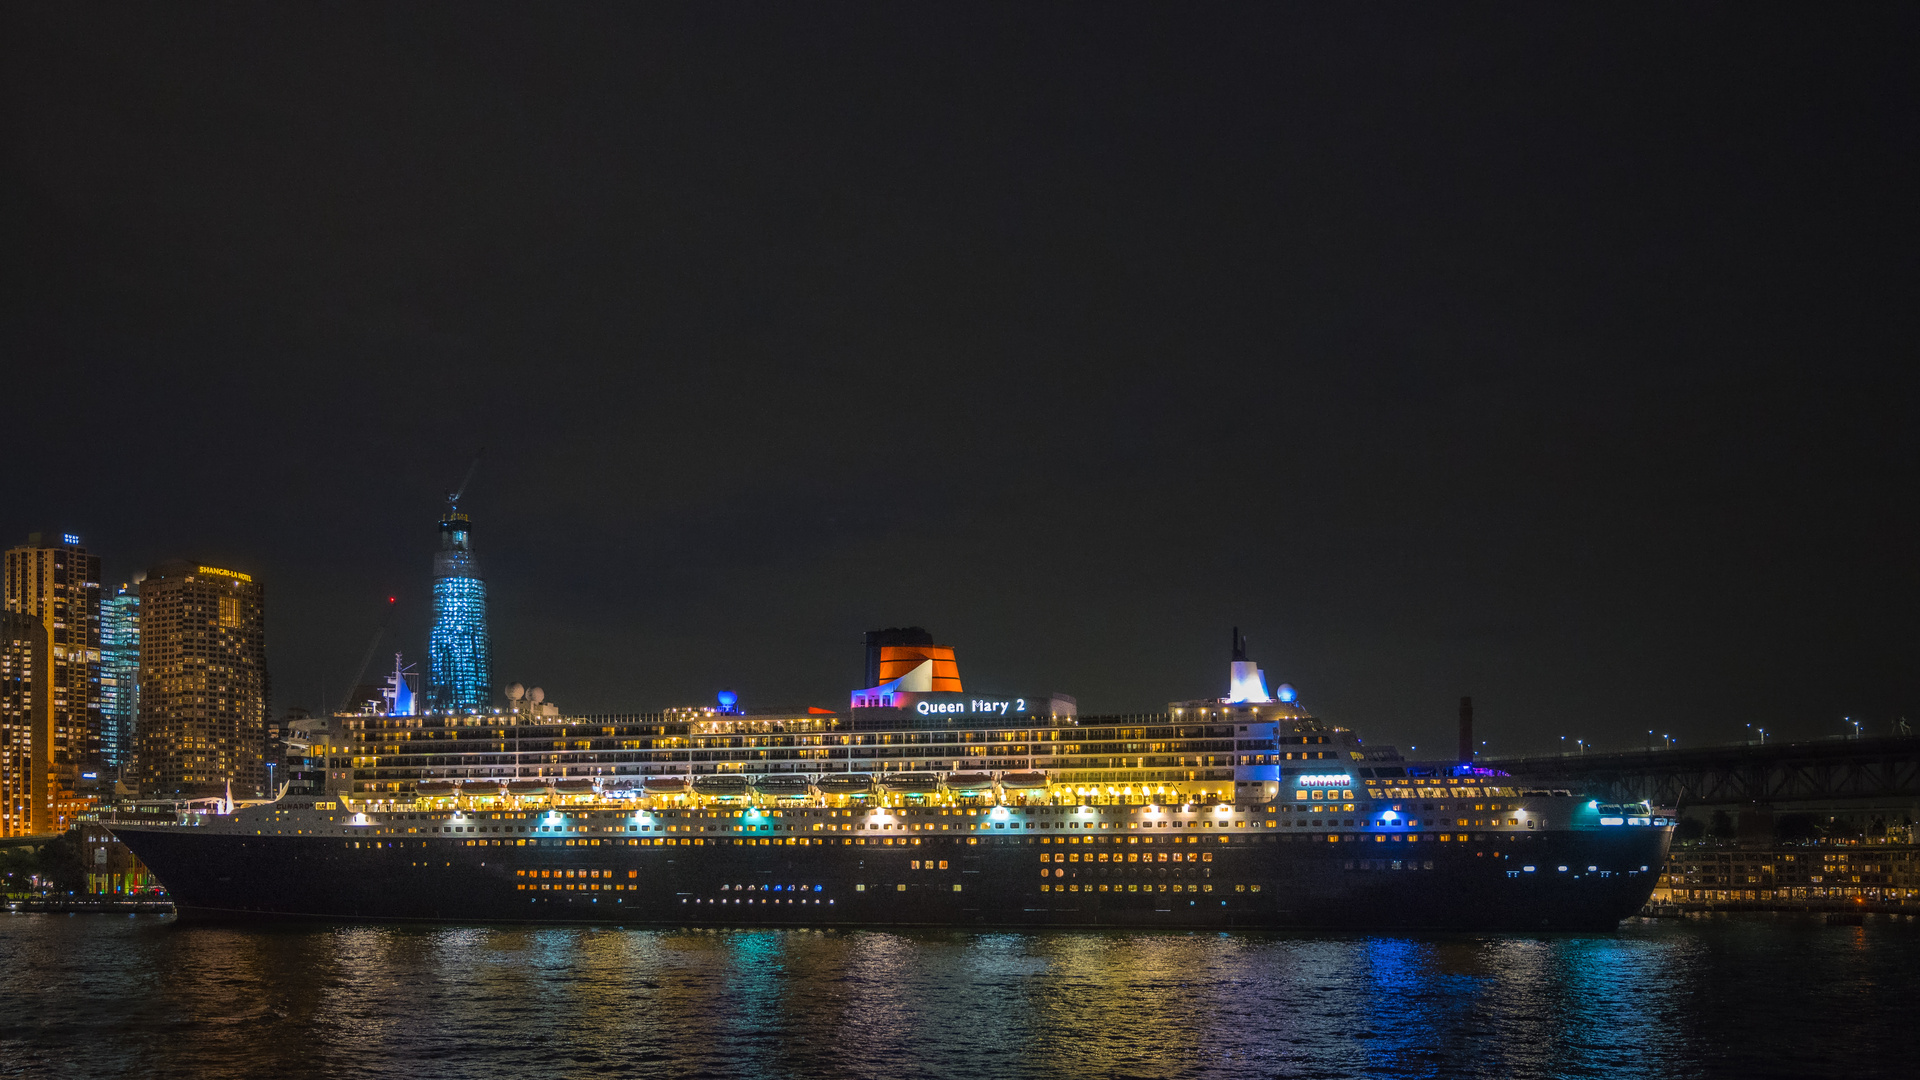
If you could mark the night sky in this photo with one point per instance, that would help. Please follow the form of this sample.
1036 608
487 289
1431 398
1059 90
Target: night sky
1561 358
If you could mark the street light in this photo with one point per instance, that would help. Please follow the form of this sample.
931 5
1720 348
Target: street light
1763 736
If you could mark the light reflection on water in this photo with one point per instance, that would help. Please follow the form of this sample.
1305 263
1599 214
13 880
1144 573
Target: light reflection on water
97 996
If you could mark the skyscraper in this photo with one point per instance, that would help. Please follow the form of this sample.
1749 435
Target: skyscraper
119 675
459 655
24 661
59 585
203 682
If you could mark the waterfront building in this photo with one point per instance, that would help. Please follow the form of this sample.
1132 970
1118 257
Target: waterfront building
459 653
57 582
119 676
23 777
113 872
36 796
203 683
1809 876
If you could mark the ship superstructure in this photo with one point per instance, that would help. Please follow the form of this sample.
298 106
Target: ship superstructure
901 741
934 807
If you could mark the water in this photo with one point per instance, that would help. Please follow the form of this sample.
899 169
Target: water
100 996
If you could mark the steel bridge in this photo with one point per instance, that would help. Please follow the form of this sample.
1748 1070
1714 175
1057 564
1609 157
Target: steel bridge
1869 770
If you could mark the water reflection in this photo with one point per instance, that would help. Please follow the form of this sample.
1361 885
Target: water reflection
86 997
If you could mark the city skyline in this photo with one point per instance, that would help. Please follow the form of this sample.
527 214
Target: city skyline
485 694
1367 359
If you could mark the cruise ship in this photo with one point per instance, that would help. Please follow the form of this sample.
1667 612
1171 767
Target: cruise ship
918 803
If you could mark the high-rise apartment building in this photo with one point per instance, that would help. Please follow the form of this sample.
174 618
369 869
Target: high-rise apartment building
459 654
119 675
203 682
58 584
24 796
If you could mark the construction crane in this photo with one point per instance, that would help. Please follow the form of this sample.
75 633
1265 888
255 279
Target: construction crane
366 659
453 497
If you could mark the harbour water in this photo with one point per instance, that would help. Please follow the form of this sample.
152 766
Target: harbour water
1747 996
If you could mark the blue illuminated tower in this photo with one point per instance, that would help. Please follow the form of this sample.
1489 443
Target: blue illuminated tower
459 655
119 675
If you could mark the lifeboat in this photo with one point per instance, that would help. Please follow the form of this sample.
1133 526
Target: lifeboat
787 786
573 787
1023 781
969 783
664 785
912 783
481 789
525 788
722 786
437 789
846 784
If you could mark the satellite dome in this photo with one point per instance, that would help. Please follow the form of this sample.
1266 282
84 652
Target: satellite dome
1285 693
515 692
728 699
536 695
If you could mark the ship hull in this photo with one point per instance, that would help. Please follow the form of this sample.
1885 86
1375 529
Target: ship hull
1567 880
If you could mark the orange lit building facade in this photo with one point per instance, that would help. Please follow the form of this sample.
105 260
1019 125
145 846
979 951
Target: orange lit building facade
52 733
23 779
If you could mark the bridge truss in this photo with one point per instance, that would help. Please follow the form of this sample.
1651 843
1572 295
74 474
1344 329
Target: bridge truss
1854 770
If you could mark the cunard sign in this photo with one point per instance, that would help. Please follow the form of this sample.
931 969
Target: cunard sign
1327 780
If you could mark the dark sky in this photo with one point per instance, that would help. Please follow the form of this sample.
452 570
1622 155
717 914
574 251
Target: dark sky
1562 358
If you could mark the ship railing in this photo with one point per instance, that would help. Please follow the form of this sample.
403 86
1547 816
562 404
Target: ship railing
1059 796
1059 791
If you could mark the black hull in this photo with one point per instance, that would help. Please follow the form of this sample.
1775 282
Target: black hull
994 883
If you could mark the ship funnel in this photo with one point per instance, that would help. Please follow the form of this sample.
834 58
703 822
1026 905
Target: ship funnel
1246 683
898 651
